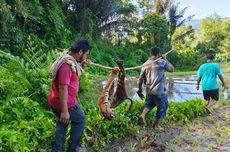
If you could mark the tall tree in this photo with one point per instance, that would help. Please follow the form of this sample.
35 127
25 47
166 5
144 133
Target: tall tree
176 17
185 48
226 42
170 10
161 6
154 30
211 34
97 16
40 19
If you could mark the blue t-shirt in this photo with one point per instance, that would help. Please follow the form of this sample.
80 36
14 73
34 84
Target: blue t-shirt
208 72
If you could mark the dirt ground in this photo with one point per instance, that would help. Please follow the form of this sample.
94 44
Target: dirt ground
204 134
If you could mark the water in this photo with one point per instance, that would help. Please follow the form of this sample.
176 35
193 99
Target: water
179 88
183 88
225 94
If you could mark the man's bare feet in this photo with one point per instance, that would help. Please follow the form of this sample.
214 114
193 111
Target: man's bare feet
208 110
82 150
141 121
159 128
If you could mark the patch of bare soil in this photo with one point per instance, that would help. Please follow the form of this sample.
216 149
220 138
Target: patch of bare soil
209 133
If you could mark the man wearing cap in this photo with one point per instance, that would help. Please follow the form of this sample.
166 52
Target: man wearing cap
207 75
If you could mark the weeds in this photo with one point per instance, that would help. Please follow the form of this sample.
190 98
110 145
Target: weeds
28 125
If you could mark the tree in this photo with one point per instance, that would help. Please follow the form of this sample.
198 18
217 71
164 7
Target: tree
226 42
176 17
41 19
170 10
185 48
154 30
161 6
210 34
97 16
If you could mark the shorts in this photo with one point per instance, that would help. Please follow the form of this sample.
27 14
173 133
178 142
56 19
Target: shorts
214 94
159 101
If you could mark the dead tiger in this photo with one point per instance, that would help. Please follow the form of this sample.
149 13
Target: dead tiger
110 99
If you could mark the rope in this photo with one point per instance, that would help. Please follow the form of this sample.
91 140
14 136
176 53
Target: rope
136 67
90 62
111 68
130 68
100 66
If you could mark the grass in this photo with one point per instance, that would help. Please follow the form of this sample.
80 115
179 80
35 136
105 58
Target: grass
226 69
184 73
215 127
180 73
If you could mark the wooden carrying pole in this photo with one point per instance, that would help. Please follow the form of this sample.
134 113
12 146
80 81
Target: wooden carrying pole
101 66
136 67
131 68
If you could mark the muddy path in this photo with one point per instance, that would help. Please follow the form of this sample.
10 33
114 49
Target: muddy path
204 134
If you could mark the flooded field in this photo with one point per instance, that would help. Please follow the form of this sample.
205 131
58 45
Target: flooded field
178 89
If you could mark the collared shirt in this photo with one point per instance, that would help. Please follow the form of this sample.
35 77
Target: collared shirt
65 76
153 75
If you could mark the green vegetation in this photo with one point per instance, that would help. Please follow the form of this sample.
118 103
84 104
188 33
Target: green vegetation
26 121
25 125
183 73
113 34
180 73
214 128
31 32
27 118
226 69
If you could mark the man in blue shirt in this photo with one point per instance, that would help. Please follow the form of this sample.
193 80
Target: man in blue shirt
207 73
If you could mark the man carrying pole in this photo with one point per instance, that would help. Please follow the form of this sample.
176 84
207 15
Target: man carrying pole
152 74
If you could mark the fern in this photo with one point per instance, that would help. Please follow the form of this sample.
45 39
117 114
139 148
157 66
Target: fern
23 123
27 75
33 55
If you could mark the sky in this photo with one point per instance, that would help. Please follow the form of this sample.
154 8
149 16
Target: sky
204 8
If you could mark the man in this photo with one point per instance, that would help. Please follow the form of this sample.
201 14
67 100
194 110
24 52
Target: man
65 73
152 74
207 74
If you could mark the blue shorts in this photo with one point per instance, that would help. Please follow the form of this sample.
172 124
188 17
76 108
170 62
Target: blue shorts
159 101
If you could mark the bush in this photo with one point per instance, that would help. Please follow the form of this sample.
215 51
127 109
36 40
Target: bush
28 125
24 125
99 132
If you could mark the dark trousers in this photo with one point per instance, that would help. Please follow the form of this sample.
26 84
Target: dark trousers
77 121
